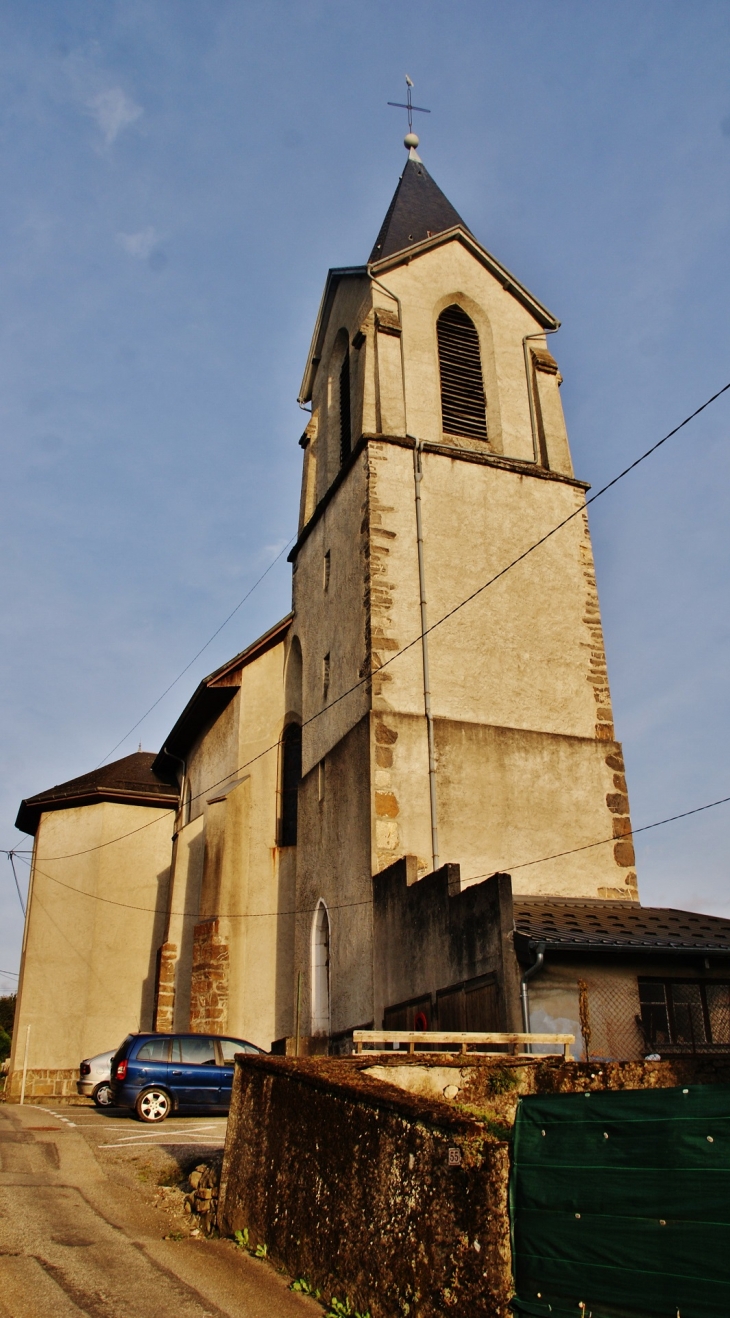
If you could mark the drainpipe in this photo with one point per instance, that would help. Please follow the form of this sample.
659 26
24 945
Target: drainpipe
179 822
530 392
181 807
534 969
418 477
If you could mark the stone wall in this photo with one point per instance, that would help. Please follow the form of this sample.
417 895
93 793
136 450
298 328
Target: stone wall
41 1083
209 980
385 1179
366 1190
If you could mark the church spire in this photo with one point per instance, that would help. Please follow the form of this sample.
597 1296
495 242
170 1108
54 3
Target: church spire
419 209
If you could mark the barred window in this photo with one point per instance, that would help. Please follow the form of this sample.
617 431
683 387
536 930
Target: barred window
685 1014
463 403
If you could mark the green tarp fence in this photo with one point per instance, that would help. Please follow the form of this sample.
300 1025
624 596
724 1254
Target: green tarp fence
620 1204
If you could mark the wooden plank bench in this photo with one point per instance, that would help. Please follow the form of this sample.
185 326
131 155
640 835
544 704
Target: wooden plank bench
368 1041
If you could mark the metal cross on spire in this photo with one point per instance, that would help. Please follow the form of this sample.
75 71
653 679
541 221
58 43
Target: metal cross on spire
410 107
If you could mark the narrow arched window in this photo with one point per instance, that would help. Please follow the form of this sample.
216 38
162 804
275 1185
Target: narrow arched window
291 776
321 971
345 421
463 404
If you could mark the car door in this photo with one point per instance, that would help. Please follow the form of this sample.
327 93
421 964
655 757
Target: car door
148 1065
229 1048
194 1073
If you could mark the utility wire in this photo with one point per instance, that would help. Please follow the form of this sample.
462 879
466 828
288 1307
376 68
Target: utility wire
12 973
11 857
417 639
368 901
525 864
225 622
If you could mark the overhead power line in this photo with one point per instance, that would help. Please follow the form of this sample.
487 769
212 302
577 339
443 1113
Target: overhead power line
417 639
210 640
304 910
11 857
587 846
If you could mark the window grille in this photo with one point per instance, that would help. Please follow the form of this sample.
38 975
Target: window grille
684 1015
345 421
291 774
463 403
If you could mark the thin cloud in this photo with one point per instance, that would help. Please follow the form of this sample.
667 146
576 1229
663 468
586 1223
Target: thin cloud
139 244
113 111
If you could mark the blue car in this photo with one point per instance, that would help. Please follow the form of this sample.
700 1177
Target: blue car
157 1074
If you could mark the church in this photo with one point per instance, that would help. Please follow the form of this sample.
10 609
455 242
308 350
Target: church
404 804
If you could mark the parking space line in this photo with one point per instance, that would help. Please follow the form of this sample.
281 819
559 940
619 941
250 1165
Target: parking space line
178 1144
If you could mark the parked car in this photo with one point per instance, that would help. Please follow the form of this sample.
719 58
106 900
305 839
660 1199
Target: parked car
156 1074
95 1078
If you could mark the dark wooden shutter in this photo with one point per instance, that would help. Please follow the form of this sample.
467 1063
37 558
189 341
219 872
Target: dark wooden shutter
463 404
345 422
291 776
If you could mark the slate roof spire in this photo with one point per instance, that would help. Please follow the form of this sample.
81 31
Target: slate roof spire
419 209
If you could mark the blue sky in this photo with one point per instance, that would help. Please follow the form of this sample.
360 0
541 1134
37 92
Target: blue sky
177 179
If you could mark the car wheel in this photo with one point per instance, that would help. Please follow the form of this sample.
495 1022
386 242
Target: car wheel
153 1105
103 1094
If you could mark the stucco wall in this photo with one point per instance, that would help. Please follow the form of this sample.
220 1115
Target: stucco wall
572 994
334 865
231 879
95 921
426 938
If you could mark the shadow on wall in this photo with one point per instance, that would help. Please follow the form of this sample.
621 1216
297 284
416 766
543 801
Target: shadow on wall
149 985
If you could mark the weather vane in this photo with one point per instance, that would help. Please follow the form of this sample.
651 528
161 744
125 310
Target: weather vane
411 140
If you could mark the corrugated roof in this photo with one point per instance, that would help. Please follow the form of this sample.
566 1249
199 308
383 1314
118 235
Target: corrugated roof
131 780
574 925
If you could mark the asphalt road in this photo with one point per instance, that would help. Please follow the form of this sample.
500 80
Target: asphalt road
91 1223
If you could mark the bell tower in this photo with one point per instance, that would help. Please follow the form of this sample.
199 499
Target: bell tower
435 457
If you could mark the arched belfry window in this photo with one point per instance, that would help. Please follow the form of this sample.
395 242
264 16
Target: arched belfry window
463 403
345 419
291 776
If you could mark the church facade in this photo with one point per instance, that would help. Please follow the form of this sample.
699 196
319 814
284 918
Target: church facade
368 799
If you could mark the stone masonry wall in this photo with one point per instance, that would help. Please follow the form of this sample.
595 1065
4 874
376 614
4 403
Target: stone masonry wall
165 996
41 1084
209 980
385 1178
369 1192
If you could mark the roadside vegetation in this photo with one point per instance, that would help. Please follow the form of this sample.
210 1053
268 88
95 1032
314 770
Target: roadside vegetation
7 1017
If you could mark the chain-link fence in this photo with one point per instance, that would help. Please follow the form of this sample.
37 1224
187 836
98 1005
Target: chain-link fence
609 1016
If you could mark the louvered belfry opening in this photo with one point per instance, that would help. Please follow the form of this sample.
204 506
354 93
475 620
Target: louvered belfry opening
463 403
345 422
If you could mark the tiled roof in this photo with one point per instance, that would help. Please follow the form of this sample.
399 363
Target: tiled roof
211 696
418 210
566 924
131 780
